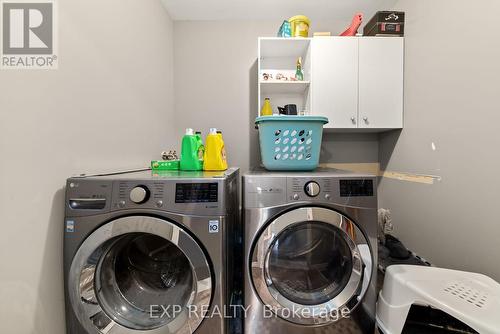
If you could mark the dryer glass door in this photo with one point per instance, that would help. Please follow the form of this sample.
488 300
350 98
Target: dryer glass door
307 266
309 263
138 274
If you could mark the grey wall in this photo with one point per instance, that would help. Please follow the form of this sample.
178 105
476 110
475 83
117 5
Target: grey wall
351 148
452 70
216 86
108 106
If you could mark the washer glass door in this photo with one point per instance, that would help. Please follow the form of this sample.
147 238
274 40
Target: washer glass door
306 265
138 274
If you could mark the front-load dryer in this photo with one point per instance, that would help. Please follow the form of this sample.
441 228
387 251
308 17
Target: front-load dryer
310 252
146 252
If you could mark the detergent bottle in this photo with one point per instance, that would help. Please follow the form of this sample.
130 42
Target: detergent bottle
215 152
190 151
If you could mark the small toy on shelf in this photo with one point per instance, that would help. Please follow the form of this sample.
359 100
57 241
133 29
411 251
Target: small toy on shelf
277 75
267 76
352 30
170 155
281 77
299 73
285 29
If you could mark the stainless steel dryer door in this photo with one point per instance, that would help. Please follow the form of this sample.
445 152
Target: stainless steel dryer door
307 268
140 274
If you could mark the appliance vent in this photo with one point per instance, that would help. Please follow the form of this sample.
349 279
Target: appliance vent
466 292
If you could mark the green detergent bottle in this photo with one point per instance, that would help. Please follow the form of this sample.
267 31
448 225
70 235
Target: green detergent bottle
191 145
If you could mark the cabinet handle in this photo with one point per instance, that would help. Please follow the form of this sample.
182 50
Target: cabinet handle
353 120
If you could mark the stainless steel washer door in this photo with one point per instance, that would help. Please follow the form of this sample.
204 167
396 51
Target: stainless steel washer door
306 266
140 274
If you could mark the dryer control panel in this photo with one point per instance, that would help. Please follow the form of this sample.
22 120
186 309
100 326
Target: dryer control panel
328 189
267 190
300 188
358 187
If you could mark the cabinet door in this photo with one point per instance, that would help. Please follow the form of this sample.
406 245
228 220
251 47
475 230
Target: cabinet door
381 82
334 80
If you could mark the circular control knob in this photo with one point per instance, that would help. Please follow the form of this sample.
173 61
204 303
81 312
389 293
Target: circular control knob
312 189
139 194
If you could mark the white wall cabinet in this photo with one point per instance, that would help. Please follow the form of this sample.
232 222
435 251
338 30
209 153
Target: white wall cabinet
334 87
357 82
380 82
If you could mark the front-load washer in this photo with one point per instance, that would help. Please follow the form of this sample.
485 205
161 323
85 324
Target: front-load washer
310 252
146 252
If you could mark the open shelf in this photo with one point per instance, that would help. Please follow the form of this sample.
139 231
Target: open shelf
283 47
283 87
279 55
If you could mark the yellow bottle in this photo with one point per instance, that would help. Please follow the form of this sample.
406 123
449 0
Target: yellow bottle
215 152
266 110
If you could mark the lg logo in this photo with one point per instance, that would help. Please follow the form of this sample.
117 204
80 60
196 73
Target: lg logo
28 34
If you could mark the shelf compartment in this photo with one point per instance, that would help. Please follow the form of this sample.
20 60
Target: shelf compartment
283 47
283 87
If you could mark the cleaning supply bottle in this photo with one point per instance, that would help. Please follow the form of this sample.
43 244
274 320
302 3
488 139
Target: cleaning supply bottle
189 152
215 152
266 110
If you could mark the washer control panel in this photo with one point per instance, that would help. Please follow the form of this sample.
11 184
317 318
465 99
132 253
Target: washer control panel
196 192
153 194
188 193
81 196
301 189
138 194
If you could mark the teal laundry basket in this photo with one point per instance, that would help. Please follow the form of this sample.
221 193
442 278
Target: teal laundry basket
290 142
